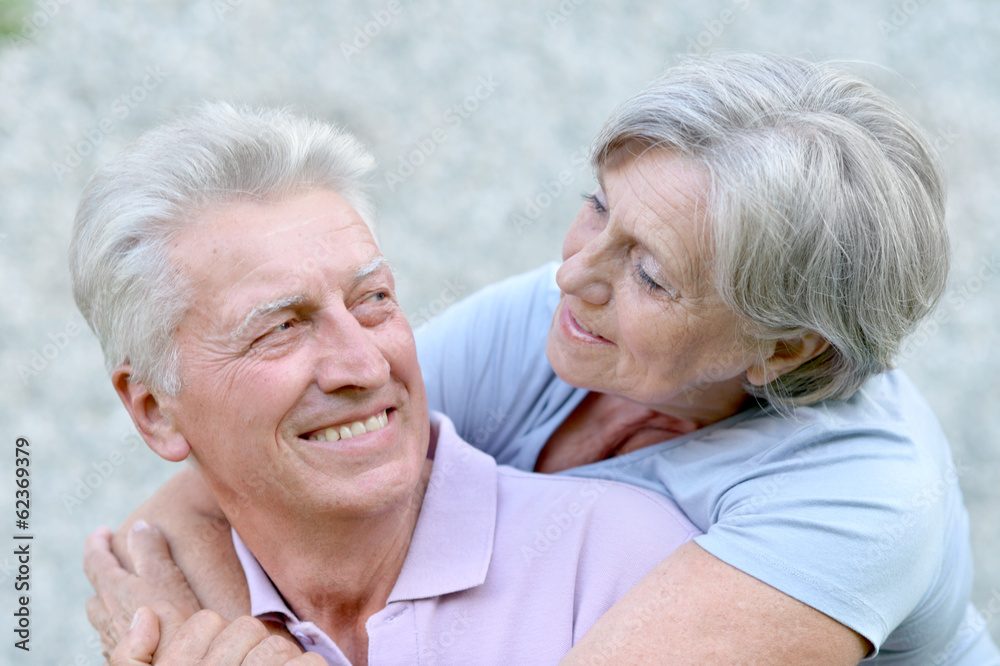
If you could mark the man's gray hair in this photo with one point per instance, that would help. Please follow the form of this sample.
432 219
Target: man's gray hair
124 282
826 206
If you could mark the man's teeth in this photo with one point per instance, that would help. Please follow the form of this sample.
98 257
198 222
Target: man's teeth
371 424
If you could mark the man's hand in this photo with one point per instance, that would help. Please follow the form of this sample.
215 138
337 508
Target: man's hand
157 584
207 638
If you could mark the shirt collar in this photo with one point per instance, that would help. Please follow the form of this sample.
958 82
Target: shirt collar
452 542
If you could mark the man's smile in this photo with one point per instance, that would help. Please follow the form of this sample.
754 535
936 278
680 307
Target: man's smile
352 429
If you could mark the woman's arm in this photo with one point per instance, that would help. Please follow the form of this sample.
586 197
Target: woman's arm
695 609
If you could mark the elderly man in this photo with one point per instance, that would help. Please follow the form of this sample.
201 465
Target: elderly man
250 324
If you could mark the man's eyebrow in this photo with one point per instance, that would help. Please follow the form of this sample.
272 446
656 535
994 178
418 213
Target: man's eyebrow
371 267
265 310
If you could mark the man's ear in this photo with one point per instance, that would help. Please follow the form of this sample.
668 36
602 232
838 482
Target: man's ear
786 355
149 416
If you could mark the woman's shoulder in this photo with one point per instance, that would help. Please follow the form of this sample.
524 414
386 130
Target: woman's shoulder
886 416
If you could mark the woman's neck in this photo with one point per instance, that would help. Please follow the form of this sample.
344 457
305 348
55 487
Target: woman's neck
603 426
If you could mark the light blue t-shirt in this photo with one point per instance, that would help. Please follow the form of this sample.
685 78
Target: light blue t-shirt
851 507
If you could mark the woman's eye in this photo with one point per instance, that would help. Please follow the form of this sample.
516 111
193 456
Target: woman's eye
645 279
650 283
652 286
595 203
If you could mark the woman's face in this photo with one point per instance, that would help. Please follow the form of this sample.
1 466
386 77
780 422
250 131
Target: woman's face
639 316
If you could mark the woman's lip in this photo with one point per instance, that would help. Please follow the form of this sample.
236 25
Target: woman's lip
572 329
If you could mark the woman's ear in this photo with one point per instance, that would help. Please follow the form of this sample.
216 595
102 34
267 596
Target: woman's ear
150 416
786 355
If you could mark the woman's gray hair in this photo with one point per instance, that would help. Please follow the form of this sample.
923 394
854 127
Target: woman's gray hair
826 206
124 282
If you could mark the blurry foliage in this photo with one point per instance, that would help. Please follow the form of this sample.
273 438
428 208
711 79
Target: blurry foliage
12 14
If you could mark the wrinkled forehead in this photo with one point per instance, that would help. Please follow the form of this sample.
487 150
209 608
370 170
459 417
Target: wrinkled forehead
241 253
319 224
670 186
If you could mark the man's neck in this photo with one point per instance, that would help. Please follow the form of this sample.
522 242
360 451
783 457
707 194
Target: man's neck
335 572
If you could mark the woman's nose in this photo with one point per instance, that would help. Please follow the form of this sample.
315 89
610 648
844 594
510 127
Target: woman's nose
587 273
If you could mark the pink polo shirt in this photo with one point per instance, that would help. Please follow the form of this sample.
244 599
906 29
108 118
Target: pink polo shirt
505 566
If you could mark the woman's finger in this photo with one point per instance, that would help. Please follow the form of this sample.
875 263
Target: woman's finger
139 643
154 565
149 553
101 620
103 569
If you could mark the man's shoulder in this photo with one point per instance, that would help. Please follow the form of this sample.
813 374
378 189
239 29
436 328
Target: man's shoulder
595 508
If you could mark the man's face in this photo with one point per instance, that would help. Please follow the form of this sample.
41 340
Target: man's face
294 336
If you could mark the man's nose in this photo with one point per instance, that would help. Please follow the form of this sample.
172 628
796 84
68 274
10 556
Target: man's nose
588 273
350 357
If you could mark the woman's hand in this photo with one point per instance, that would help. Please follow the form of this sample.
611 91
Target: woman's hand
200 545
207 638
156 584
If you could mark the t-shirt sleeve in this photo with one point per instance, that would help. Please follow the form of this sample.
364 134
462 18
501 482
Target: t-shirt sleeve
476 355
850 525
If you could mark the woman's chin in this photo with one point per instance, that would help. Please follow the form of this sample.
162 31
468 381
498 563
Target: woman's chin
570 365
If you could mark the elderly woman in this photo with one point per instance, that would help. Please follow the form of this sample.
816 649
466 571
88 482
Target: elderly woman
722 329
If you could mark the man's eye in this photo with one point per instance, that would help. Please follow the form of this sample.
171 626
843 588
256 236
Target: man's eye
377 297
280 328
